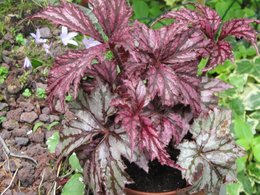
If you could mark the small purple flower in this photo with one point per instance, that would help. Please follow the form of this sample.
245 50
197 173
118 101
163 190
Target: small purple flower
66 37
37 37
90 42
27 63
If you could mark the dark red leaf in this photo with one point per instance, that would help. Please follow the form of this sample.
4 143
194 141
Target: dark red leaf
113 16
240 28
177 84
106 70
70 16
219 53
170 126
204 17
68 71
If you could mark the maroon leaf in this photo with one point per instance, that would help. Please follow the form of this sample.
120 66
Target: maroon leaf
210 20
149 142
204 17
135 99
219 53
106 71
171 126
70 16
113 16
138 126
178 84
240 28
68 71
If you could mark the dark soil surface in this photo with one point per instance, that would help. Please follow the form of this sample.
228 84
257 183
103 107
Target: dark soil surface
159 178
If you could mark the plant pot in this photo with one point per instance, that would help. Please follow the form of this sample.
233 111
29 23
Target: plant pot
178 192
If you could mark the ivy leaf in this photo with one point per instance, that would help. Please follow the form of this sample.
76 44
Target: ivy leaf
210 160
251 97
69 15
53 141
75 185
74 163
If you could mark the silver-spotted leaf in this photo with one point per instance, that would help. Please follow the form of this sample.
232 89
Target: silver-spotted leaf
210 160
104 171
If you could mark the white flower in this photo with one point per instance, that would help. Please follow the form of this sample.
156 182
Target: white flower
27 63
66 37
90 42
37 37
47 49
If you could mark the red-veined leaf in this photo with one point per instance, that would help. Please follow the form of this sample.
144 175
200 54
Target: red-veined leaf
68 71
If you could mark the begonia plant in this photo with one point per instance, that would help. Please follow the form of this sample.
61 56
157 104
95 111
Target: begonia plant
137 90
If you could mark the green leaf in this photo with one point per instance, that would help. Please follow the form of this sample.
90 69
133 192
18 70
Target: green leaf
53 141
27 93
256 116
37 125
247 184
238 81
36 63
50 126
74 186
236 106
242 130
256 151
141 9
241 163
254 171
74 163
234 189
249 67
202 65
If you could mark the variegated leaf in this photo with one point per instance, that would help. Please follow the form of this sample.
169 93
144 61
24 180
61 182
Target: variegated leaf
209 160
104 171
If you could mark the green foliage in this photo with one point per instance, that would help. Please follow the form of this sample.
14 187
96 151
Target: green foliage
74 163
2 119
147 10
27 93
37 125
75 185
244 100
51 125
20 39
41 93
53 141
3 74
68 98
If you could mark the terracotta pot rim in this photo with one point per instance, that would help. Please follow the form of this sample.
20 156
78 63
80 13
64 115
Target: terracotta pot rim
151 193
156 193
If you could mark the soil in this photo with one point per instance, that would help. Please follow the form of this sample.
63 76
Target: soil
159 178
